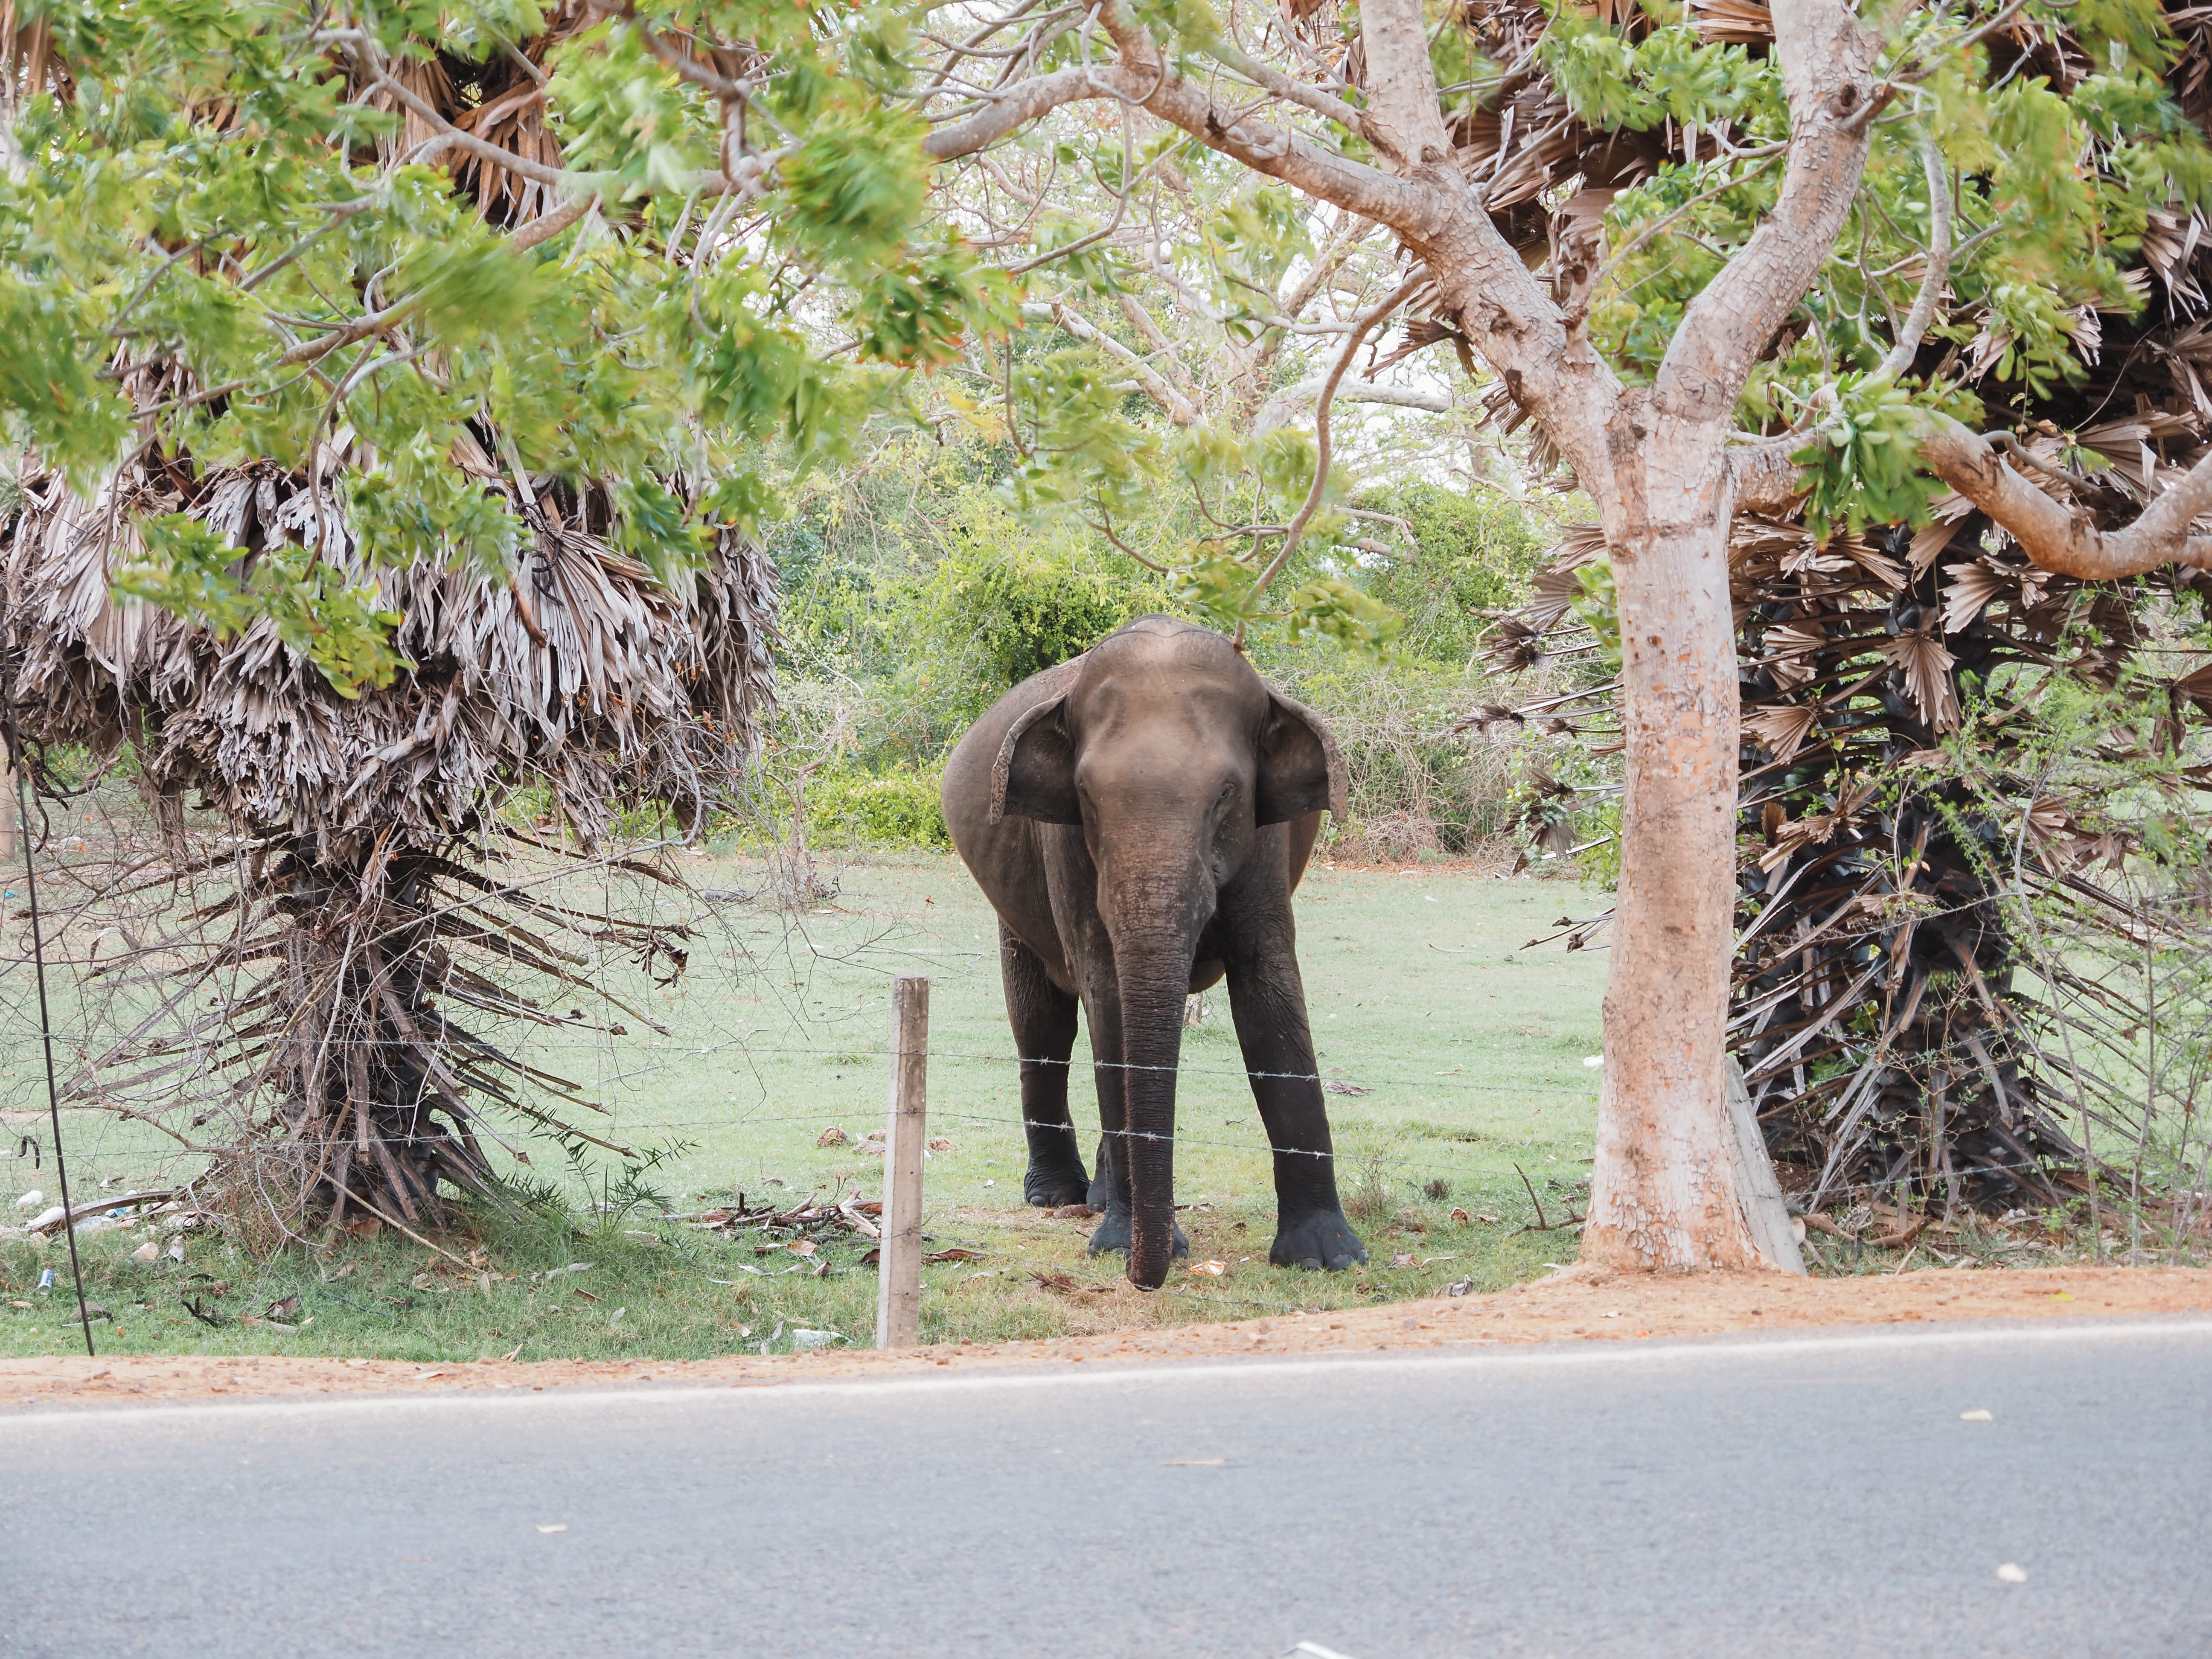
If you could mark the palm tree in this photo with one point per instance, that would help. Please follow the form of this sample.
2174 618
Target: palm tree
379 904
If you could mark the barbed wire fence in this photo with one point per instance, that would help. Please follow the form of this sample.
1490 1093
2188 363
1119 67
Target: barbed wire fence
720 1067
708 1067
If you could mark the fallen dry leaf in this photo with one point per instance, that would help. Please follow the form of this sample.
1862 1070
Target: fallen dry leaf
955 1253
833 1136
940 1144
1210 1269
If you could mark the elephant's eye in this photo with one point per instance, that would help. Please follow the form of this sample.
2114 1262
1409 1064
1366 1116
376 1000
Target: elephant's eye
1228 793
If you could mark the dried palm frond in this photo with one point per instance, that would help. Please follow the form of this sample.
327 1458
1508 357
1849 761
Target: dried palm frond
369 939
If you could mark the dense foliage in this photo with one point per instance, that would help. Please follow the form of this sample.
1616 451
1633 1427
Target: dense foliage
915 597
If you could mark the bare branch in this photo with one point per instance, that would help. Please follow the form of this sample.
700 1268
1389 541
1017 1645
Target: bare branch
1143 74
546 225
1178 407
1404 120
1906 346
1162 347
1276 409
690 68
1297 527
1015 108
1268 78
2055 537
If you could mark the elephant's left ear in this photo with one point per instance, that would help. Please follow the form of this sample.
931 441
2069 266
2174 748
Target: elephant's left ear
1301 769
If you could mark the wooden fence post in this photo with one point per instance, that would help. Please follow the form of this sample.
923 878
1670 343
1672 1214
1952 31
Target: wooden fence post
898 1291
7 814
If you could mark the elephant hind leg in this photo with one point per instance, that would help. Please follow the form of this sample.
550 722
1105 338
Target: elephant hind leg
1043 1020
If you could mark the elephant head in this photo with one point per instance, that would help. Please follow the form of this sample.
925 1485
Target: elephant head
1172 754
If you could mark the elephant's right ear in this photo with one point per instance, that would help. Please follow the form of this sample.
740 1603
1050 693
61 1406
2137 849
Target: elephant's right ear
1033 776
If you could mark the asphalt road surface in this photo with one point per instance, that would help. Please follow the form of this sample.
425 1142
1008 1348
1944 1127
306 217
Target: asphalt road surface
1820 1495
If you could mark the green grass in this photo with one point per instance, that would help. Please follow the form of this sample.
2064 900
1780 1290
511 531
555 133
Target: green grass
1469 1050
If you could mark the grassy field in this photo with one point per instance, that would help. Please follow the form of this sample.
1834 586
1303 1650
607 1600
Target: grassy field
1459 1056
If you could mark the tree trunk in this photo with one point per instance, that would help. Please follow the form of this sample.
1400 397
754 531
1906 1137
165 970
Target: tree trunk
1663 1193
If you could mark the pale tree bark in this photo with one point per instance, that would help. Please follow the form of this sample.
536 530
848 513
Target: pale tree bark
2057 538
1662 1189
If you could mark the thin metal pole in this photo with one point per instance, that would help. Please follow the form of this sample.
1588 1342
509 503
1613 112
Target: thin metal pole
898 1287
46 1034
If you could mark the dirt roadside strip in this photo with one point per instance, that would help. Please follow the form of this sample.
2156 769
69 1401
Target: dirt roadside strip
1576 1304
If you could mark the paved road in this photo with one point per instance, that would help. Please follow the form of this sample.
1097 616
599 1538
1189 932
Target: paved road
1816 1496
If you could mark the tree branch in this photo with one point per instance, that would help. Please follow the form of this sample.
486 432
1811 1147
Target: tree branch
1501 307
1177 375
1268 78
1277 409
1906 346
1296 528
1016 107
745 180
1178 407
1144 76
1827 60
1404 120
2055 537
546 225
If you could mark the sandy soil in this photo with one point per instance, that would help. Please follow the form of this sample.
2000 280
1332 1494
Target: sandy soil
1577 1304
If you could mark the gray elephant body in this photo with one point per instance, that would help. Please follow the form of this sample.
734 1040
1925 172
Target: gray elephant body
1139 818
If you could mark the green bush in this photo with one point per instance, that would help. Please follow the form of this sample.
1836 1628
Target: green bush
893 809
915 595
1474 556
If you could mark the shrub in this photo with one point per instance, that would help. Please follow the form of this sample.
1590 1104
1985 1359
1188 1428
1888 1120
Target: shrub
890 809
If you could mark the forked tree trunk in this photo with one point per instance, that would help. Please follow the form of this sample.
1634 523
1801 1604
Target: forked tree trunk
1663 1192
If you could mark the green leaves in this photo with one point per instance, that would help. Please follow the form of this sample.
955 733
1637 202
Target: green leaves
621 112
48 380
212 251
338 624
1613 83
653 527
854 191
920 314
1863 467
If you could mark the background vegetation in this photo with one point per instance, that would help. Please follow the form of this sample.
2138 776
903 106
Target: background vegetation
915 595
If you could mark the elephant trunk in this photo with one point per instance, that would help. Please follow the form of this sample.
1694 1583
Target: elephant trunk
1154 981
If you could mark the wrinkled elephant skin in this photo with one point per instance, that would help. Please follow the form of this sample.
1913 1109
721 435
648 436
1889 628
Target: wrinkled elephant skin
1140 818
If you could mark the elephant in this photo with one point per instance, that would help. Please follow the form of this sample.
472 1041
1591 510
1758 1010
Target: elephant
1139 818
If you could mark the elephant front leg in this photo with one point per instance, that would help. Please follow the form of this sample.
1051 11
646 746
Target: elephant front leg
1269 1005
1043 1020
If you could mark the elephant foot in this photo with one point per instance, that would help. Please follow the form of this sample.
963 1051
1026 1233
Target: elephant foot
1113 1234
1048 1186
1322 1239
